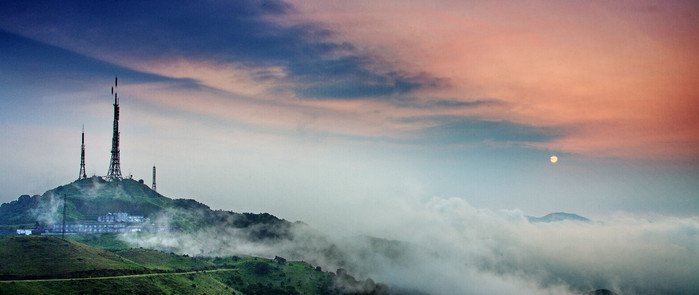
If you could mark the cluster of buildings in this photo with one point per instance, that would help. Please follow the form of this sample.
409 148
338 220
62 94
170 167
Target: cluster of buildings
120 222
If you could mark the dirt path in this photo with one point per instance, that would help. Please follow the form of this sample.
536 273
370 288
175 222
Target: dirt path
124 276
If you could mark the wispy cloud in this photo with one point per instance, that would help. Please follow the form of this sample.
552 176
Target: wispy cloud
462 130
226 33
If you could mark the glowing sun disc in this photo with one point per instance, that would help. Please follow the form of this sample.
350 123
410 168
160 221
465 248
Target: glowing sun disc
554 159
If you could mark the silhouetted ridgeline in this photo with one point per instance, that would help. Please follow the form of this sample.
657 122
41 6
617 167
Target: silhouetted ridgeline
558 216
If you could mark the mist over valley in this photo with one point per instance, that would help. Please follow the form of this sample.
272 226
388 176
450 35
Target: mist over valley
441 246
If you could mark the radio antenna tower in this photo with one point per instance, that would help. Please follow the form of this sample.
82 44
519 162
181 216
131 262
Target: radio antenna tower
153 187
82 174
114 166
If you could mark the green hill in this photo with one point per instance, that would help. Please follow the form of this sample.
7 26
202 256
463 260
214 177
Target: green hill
195 284
165 261
85 200
89 198
49 257
49 265
175 228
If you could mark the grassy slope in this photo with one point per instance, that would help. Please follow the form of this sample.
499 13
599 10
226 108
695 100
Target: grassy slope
197 283
86 199
50 257
106 241
287 278
163 261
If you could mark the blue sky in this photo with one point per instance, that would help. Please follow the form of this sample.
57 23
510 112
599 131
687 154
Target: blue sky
273 106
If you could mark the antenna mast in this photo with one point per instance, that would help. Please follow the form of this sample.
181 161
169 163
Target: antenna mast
114 166
82 174
153 187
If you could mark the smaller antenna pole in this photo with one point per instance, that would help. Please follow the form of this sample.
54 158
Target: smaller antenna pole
153 187
63 232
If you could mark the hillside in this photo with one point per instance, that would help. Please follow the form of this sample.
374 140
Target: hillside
48 257
85 200
89 198
40 265
165 261
183 226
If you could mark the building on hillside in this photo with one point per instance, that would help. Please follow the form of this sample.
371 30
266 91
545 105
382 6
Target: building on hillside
120 217
119 222
26 232
93 228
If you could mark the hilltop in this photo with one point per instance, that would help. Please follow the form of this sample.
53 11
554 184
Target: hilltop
86 199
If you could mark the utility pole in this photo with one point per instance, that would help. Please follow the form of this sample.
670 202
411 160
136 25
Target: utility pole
63 232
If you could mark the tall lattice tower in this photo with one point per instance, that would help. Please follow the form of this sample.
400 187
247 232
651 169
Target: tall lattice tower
82 174
114 166
153 187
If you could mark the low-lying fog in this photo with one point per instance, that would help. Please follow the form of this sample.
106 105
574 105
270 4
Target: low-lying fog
446 246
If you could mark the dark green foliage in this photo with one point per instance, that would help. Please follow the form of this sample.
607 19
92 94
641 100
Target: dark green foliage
167 262
19 212
259 268
260 289
279 260
105 241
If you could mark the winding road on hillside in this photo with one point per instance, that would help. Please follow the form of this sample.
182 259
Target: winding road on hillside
120 277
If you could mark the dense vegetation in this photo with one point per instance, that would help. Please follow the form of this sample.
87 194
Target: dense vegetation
33 257
159 272
42 265
86 199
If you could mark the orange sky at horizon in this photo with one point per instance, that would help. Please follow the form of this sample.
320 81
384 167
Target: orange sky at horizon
618 79
623 74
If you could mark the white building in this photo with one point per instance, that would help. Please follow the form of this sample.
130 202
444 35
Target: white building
25 232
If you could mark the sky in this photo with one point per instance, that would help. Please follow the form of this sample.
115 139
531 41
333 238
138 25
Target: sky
323 111
427 122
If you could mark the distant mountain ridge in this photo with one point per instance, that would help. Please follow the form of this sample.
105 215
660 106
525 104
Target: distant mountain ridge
558 216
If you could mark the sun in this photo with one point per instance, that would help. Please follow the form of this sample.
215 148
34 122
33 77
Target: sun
554 159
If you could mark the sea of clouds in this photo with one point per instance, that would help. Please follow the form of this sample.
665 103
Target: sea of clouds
447 246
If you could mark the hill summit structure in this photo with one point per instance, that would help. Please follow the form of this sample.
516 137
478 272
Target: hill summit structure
82 174
114 172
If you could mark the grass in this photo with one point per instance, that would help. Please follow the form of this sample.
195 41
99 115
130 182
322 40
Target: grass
189 283
49 265
105 241
257 274
51 257
165 261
